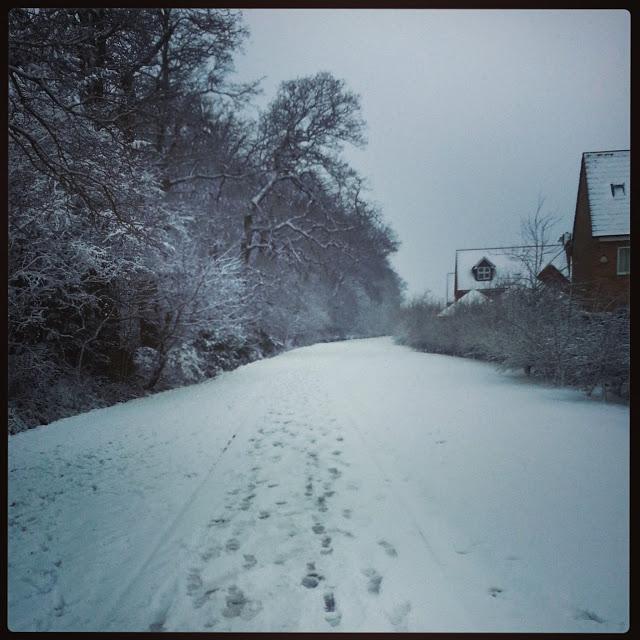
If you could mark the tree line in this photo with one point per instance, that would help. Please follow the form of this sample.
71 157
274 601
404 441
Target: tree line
157 233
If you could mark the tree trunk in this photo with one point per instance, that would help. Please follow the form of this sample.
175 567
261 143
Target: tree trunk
157 373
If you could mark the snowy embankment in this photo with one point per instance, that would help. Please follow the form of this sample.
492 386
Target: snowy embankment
347 486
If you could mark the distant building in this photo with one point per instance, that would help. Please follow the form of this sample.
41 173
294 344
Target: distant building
492 270
600 246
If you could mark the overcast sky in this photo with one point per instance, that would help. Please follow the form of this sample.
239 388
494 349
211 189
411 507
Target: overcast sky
471 114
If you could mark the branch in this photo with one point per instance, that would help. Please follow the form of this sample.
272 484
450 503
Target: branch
200 176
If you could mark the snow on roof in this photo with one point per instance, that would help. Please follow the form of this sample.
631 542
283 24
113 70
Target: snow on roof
608 202
510 264
471 297
559 260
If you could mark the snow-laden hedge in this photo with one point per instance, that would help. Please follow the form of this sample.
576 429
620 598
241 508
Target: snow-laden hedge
544 332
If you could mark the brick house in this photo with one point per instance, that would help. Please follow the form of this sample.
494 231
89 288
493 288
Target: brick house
491 270
600 245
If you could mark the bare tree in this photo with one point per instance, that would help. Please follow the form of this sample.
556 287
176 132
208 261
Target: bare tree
537 248
300 137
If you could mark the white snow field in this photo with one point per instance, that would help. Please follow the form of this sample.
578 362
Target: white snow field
353 486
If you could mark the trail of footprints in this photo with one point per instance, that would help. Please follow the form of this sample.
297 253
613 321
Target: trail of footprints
316 490
313 578
319 487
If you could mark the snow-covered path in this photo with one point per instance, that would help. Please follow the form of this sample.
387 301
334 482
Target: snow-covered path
354 486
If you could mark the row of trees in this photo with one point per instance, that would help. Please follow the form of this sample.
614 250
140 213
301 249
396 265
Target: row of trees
157 233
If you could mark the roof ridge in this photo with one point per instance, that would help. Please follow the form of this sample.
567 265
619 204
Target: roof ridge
584 153
515 246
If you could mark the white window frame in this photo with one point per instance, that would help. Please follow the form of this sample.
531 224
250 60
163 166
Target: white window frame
619 261
483 274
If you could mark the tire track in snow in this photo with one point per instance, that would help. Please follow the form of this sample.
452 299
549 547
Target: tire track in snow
118 603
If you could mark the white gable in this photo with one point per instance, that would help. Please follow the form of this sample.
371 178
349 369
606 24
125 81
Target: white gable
609 205
508 262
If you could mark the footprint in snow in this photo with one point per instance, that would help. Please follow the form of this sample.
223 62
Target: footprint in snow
264 515
211 552
232 544
494 592
58 609
249 561
388 548
375 579
317 528
194 581
398 616
332 616
204 597
239 606
329 602
312 579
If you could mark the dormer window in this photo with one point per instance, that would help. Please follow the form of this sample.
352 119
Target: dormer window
617 190
483 271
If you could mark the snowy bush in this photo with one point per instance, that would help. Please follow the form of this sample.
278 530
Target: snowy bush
145 360
543 332
184 366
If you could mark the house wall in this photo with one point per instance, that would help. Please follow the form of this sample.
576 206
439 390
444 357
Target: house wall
582 248
596 282
607 287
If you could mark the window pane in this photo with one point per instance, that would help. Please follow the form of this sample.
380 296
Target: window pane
624 255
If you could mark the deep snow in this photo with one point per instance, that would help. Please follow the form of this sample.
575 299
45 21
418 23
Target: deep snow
354 486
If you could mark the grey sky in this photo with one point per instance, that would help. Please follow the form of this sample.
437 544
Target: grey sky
471 114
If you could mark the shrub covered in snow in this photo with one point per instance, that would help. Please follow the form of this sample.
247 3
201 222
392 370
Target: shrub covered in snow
544 332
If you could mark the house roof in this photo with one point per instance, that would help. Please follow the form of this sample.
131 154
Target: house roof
610 216
470 297
508 261
484 261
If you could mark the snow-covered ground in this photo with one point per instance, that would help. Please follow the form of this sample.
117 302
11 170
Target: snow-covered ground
354 486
